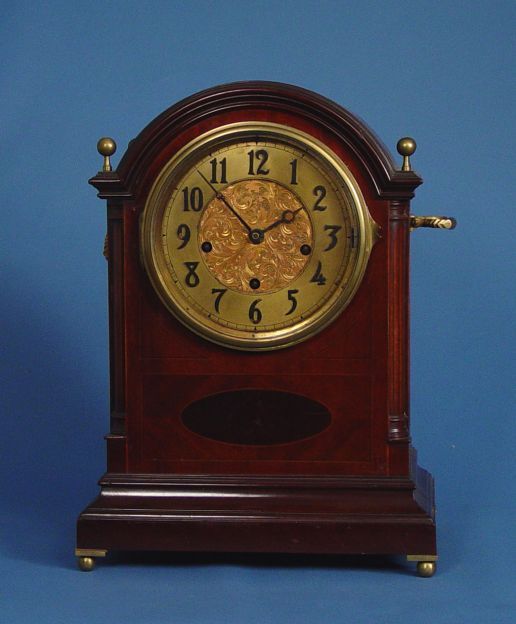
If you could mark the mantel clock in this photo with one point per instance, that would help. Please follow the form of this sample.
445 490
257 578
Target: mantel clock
258 254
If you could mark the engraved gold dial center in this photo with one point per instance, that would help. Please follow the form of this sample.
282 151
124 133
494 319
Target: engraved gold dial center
270 253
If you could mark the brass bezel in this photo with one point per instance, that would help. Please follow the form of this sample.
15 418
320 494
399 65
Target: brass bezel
156 204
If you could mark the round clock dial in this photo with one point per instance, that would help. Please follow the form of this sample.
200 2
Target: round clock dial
256 236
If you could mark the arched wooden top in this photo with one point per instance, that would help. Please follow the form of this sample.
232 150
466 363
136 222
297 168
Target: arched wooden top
388 181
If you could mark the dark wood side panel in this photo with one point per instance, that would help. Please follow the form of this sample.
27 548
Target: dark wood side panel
116 453
116 289
398 350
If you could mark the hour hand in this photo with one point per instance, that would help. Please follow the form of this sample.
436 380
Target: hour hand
257 235
287 216
222 197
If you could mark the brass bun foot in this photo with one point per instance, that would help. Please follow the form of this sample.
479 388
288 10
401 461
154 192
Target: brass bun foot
426 568
426 564
86 564
86 558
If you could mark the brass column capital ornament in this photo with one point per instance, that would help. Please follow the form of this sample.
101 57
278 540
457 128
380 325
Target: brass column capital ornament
257 247
106 147
406 147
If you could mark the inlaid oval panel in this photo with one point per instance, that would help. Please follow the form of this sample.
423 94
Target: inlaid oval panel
256 417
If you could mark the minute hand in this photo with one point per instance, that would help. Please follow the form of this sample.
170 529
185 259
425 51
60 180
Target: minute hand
220 196
287 216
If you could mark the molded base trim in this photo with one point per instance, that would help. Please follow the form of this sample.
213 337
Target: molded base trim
239 513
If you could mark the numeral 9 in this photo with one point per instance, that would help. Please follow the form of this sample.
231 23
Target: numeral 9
183 234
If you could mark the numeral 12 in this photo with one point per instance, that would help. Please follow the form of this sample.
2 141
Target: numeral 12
261 156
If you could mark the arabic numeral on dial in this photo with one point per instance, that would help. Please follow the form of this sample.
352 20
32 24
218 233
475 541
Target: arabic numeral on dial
332 233
318 277
261 156
192 199
255 314
222 166
293 172
220 292
191 279
320 192
183 234
292 299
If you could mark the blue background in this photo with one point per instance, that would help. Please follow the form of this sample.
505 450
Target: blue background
74 71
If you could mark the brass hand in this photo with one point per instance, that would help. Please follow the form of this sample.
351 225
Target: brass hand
220 196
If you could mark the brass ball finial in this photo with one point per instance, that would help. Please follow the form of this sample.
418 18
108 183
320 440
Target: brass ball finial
406 147
106 147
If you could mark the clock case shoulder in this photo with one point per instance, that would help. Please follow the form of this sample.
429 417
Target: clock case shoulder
144 151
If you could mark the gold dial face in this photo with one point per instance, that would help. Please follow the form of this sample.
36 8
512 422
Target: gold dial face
256 236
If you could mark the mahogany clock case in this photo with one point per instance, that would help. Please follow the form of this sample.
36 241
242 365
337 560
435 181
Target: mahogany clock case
304 449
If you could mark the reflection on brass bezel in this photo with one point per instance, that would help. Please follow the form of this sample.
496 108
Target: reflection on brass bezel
156 205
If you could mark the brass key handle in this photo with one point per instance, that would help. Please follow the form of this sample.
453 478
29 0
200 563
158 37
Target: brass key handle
406 147
444 223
